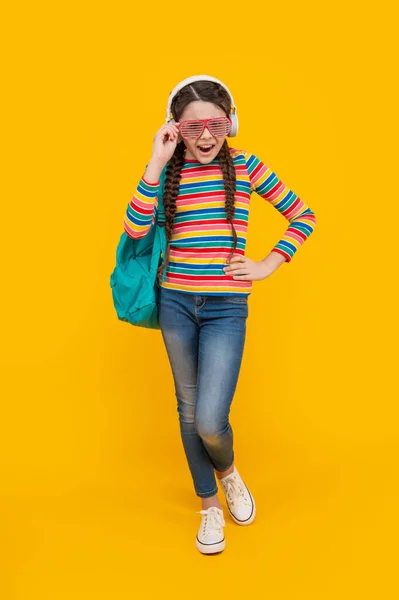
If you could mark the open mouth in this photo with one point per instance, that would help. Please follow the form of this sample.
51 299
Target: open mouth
206 149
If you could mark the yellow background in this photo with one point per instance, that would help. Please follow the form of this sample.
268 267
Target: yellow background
96 496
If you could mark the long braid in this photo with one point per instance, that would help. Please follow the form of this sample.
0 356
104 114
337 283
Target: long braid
229 180
171 191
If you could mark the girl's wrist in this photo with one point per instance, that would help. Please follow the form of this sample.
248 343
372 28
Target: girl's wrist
271 262
153 171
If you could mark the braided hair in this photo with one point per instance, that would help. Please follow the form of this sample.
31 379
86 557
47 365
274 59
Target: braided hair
209 92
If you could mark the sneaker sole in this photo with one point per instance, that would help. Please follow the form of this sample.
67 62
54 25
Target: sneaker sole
210 548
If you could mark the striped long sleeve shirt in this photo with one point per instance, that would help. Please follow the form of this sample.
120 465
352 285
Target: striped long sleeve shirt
202 237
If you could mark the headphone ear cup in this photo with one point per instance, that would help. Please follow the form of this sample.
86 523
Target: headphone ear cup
234 125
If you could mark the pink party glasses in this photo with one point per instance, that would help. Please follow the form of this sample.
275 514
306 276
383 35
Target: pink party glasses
193 128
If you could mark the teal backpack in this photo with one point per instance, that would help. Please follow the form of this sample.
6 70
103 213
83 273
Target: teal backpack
134 281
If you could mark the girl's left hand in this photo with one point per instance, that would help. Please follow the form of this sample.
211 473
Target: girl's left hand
244 269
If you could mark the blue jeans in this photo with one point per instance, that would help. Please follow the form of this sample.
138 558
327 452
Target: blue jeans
204 338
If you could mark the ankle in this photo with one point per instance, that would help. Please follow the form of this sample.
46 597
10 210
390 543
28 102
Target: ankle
220 474
212 501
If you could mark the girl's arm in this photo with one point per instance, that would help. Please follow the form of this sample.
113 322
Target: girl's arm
142 208
301 218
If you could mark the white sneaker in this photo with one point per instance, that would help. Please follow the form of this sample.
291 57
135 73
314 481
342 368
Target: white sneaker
240 502
210 537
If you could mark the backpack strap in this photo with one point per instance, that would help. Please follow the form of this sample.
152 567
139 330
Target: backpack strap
161 211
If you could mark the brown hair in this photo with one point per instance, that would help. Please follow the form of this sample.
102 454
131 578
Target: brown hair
207 91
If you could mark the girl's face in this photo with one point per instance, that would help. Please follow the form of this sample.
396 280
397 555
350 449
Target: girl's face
199 109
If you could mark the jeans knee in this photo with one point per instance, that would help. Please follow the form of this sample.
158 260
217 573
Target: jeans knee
210 432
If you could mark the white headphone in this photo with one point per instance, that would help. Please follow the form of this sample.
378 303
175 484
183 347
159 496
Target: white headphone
179 86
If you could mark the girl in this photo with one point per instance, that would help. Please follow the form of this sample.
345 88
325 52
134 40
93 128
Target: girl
203 301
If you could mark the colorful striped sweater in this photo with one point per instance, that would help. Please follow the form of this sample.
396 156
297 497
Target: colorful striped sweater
202 238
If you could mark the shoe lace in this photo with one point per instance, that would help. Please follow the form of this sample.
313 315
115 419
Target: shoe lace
236 491
213 520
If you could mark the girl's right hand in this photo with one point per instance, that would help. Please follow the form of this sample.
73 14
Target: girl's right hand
165 141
